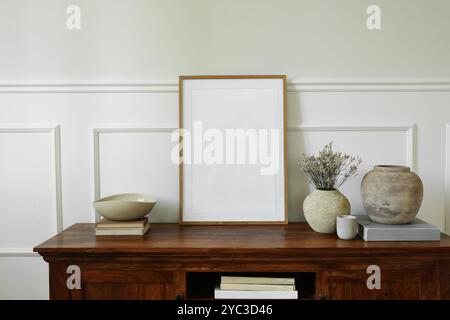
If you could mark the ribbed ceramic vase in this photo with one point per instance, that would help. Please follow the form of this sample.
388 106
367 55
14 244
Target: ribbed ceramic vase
392 194
321 208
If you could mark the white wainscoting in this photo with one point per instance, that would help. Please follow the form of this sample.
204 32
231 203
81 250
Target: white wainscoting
29 216
23 278
407 128
447 179
141 168
358 140
109 131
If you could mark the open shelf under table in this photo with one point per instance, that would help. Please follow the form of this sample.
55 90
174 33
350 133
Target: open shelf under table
201 285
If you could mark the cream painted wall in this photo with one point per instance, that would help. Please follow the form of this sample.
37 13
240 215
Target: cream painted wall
382 94
165 38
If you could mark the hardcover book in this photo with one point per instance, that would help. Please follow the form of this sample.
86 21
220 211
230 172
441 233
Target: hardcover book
240 294
122 231
105 223
256 287
417 230
256 280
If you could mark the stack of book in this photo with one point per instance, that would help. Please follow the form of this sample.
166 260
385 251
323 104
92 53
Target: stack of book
255 288
122 228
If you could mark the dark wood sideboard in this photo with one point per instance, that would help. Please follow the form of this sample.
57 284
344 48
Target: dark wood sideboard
184 262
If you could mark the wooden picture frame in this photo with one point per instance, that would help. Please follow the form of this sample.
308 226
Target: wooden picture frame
257 98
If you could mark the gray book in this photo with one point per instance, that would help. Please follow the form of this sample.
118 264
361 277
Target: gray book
417 230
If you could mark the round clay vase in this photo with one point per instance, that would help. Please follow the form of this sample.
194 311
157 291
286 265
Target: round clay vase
392 194
321 208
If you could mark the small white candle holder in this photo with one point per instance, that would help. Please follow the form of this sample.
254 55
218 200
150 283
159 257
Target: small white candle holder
346 226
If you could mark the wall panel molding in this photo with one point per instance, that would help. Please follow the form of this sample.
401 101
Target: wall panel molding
171 85
90 86
54 131
369 85
447 179
118 129
18 252
407 128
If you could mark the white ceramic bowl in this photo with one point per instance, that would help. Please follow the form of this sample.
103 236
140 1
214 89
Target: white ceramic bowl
124 207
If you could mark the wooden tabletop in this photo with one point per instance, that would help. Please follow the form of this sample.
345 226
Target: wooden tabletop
295 238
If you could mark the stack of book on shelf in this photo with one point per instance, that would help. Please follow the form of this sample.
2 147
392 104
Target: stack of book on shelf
255 288
122 228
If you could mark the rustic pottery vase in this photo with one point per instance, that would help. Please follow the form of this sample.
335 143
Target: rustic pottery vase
392 194
321 208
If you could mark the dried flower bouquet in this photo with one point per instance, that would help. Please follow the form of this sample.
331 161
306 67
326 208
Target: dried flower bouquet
329 169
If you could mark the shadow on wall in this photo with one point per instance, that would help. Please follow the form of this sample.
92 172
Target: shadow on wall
298 186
